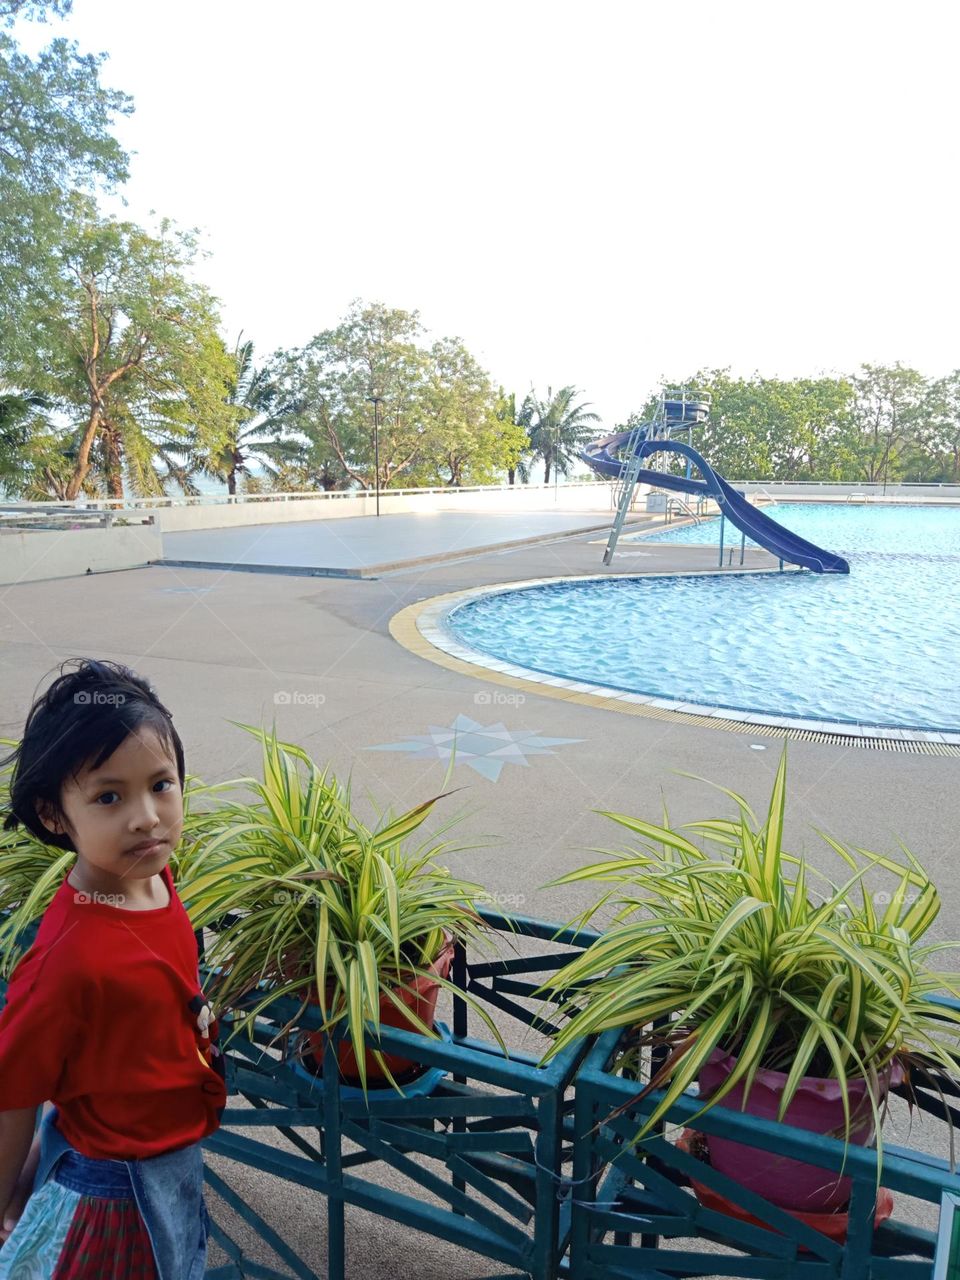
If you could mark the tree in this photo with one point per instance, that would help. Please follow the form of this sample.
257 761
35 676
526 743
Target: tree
307 472
812 434
23 417
434 406
514 435
768 428
557 428
55 122
937 451
254 433
888 403
123 338
36 10
465 442
328 387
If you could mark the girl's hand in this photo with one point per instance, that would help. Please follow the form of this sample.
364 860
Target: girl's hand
12 1213
23 1186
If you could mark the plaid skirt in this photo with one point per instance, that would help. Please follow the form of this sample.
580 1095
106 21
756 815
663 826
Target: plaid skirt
90 1219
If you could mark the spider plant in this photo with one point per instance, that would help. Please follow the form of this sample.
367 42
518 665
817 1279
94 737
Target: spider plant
311 903
742 948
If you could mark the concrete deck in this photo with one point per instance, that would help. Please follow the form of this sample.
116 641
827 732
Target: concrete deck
317 656
366 542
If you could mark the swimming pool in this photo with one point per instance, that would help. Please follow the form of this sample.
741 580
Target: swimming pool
877 648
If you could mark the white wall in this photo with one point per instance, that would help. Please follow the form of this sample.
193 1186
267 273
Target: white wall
31 556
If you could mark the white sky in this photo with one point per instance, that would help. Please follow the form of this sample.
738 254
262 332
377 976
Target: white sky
599 194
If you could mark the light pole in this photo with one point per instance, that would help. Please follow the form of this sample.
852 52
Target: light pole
556 455
376 402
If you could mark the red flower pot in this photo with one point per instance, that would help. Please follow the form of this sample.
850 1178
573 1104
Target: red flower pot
419 994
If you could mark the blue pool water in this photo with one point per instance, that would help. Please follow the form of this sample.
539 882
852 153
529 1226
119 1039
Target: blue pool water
879 647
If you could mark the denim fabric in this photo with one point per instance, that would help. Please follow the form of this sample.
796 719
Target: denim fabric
168 1189
105 1178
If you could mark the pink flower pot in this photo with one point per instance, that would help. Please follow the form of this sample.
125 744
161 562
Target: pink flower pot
833 1225
817 1106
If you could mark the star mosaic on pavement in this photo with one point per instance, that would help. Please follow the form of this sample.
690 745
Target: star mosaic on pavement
484 748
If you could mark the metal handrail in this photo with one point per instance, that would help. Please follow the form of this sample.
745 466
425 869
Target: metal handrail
673 502
328 495
36 517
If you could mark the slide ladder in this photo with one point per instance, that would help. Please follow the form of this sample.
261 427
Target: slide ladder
626 486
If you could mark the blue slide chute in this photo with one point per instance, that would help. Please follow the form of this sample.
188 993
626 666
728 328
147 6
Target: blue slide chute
760 528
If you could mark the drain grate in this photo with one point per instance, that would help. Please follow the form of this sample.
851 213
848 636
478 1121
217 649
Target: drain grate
905 746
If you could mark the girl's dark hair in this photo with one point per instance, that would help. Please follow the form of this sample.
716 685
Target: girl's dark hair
81 720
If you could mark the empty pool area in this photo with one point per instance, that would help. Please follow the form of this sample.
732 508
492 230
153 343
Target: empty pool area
363 545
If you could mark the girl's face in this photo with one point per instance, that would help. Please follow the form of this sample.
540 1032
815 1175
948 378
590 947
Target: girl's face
125 817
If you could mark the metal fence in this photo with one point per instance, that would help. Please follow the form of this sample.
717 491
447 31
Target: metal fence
33 517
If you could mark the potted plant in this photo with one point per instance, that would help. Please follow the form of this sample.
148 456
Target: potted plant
314 904
777 991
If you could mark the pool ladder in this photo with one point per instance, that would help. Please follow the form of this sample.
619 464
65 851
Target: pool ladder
675 505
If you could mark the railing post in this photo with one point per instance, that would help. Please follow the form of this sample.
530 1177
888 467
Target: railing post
336 1228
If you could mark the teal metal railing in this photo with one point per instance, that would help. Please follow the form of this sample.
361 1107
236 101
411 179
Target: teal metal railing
535 1168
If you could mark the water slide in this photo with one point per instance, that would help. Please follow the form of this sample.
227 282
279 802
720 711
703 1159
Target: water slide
601 455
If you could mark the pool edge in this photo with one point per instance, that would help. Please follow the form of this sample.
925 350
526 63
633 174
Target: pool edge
417 627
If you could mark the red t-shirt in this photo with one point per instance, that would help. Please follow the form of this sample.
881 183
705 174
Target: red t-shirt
105 1017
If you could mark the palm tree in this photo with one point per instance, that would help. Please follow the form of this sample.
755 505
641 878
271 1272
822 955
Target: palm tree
506 412
255 395
22 415
37 455
558 428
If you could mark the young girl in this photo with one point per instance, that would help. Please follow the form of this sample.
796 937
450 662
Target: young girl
105 1021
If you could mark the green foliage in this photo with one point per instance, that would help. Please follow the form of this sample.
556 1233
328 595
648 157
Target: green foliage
254 432
515 435
466 442
557 428
770 429
938 437
55 119
55 122
741 951
126 342
436 407
883 423
23 419
888 408
33 10
326 906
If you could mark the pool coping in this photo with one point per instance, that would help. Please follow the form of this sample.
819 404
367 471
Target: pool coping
421 629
